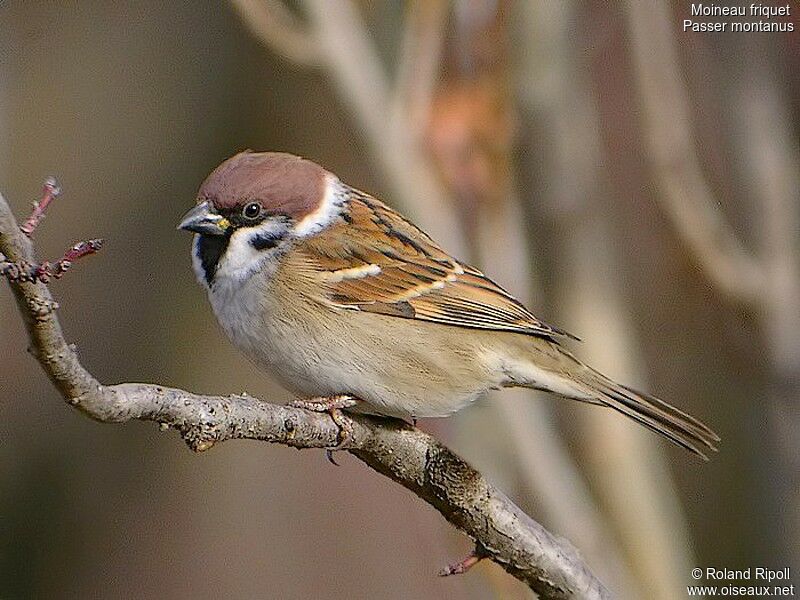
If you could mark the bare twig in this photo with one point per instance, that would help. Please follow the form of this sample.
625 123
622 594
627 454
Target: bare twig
50 191
550 566
465 564
24 271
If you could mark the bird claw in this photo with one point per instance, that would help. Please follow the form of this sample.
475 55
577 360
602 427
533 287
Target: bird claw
332 405
329 456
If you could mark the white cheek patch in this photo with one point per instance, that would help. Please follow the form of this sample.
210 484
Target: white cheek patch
331 206
242 258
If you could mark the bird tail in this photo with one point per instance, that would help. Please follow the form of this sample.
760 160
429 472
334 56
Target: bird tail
677 426
581 382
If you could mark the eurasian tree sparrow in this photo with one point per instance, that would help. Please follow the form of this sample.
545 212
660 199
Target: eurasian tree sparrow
351 306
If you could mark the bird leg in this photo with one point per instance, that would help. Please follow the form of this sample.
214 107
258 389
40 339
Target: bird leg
332 405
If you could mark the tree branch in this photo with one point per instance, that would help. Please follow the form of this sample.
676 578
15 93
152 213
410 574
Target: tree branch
412 458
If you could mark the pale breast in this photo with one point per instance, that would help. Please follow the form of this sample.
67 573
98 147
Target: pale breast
398 367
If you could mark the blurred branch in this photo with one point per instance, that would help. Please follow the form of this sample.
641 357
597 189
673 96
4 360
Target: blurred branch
383 111
419 64
772 168
352 62
277 27
772 163
768 278
638 493
471 135
685 194
501 531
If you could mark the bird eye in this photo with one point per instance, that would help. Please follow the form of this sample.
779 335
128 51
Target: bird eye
251 210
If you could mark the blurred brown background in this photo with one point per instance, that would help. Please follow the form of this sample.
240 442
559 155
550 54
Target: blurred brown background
637 185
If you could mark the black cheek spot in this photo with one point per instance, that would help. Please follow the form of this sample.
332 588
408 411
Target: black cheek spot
266 241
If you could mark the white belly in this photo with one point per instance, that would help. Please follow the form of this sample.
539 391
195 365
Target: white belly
397 367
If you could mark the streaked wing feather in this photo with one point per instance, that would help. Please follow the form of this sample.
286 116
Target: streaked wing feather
384 264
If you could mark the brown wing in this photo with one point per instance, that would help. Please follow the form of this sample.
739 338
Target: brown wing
384 264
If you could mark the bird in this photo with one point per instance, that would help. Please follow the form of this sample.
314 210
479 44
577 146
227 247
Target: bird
355 309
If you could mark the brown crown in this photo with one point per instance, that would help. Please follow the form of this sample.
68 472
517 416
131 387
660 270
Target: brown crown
283 183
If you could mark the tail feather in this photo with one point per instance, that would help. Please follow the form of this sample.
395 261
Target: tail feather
702 427
551 367
674 424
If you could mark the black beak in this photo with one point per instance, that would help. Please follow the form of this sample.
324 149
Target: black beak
202 220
